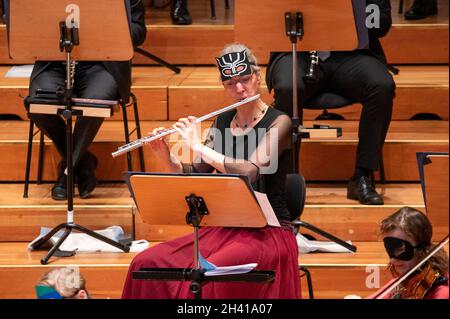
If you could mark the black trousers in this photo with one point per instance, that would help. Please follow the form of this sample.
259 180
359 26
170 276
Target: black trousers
354 75
91 81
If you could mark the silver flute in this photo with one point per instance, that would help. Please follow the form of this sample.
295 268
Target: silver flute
142 141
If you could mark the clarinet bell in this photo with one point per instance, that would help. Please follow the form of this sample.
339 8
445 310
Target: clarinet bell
313 74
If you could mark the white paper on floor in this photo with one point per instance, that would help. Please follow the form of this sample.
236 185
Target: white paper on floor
307 246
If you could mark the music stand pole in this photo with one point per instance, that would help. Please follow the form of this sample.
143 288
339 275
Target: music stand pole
69 38
295 31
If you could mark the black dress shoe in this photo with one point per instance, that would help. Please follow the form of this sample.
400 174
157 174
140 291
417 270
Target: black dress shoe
363 190
59 190
421 9
179 13
85 173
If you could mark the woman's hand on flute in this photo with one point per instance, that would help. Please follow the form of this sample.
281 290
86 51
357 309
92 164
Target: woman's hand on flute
159 146
188 129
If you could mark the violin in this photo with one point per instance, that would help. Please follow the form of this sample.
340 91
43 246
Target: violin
420 283
416 282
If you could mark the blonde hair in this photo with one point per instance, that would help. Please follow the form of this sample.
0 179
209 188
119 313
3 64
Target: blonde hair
67 281
417 226
238 47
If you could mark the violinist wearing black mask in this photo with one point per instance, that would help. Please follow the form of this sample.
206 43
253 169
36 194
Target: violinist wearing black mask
407 238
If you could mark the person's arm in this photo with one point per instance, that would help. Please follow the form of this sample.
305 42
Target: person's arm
199 165
264 160
138 28
385 18
164 161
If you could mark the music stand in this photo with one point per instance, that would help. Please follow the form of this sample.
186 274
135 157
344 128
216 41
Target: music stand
433 173
207 197
75 39
319 28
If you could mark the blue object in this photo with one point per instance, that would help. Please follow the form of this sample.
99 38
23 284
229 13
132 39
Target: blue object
46 292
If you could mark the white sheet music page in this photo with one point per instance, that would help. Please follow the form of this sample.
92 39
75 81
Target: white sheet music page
20 71
267 209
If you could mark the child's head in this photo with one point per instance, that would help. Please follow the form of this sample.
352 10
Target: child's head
62 283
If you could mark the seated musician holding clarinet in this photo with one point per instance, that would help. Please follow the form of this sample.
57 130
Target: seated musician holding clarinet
407 239
93 80
359 75
265 162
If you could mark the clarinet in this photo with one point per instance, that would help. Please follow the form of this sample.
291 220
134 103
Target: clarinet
312 75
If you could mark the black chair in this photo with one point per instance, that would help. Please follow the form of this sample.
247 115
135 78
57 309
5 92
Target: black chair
31 134
213 8
328 101
296 195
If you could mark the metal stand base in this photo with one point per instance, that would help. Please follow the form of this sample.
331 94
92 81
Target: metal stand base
158 60
69 227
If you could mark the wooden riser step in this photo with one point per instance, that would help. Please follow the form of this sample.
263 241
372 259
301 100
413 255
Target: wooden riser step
334 275
163 95
318 158
111 204
419 90
105 273
200 42
22 218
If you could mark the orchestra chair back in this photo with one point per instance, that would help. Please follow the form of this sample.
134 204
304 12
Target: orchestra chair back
295 198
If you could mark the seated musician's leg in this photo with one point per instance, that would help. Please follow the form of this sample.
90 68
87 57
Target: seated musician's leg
53 126
281 81
366 79
93 82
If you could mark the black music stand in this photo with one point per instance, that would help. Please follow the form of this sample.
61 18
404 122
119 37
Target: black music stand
295 31
68 38
319 27
207 207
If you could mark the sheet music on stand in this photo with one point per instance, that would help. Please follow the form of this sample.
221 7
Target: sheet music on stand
20 71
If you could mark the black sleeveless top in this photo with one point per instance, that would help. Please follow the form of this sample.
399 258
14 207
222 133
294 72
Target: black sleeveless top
267 173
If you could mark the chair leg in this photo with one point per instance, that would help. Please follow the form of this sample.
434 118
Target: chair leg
41 158
227 4
400 7
138 131
127 133
28 164
308 280
213 9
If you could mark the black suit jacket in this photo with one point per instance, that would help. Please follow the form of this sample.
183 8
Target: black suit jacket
375 34
120 70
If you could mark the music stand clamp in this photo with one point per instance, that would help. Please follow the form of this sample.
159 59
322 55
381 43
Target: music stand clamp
295 31
197 210
68 39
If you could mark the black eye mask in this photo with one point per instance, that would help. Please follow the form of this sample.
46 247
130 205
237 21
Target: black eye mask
399 249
